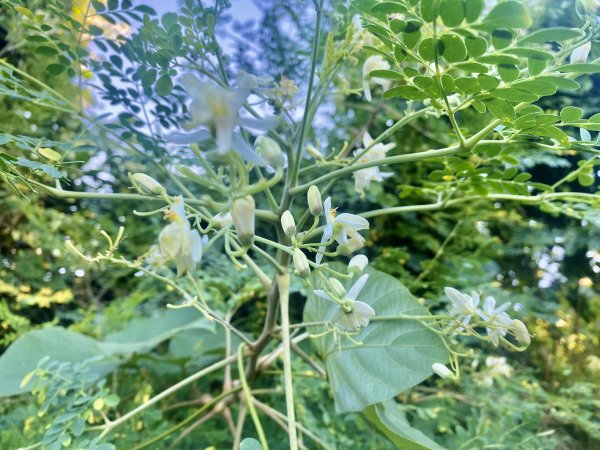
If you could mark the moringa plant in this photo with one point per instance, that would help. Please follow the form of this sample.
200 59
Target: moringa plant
239 163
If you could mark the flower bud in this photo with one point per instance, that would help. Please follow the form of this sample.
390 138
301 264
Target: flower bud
50 154
358 264
315 204
350 247
337 287
220 220
243 213
147 182
581 53
520 331
301 263
270 150
443 371
288 224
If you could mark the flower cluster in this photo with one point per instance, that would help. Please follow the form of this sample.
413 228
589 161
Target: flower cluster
350 314
494 318
177 241
343 228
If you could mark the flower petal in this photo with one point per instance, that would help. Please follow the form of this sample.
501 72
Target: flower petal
352 220
357 287
321 294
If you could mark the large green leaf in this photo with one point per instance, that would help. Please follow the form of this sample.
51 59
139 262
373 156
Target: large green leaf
60 344
394 355
57 343
142 334
390 420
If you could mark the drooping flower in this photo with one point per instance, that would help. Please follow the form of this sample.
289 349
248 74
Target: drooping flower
496 318
178 241
463 305
375 62
341 227
363 177
350 313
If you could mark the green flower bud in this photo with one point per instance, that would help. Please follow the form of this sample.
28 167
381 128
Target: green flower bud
314 201
50 154
338 288
443 371
147 182
288 224
358 264
243 213
351 246
301 263
520 331
270 150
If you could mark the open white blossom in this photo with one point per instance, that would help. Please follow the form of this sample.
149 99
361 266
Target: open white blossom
178 241
363 177
463 305
341 227
217 108
375 62
497 319
350 314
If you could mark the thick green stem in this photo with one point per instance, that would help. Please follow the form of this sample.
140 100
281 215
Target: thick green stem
283 281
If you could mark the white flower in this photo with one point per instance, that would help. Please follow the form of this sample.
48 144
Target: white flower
375 62
497 319
581 53
341 227
178 241
217 108
363 177
350 314
463 305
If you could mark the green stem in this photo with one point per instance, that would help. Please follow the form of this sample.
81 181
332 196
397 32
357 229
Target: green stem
248 398
283 281
311 80
167 392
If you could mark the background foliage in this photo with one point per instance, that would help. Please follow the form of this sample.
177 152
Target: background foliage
546 262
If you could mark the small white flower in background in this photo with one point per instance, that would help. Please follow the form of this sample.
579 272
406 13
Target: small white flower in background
341 227
581 53
443 371
463 305
497 368
375 62
363 177
350 314
496 318
178 241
